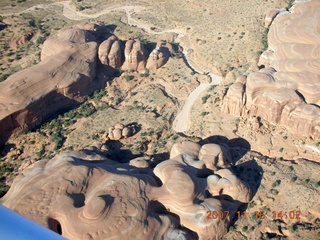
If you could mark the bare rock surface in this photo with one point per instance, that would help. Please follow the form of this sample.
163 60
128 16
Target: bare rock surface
286 89
158 57
110 52
63 77
135 56
89 196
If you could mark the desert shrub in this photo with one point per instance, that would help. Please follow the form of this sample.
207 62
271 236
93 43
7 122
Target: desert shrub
276 183
4 77
293 179
9 54
128 77
99 94
40 40
145 74
292 229
204 114
290 4
205 98
265 39
274 191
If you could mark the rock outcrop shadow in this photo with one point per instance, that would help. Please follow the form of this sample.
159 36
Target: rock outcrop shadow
248 171
251 173
238 147
116 153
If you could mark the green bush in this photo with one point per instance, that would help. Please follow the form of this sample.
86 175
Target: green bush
205 98
128 77
293 179
274 191
276 183
4 77
231 228
40 40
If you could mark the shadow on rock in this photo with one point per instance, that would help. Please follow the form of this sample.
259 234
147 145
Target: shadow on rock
238 146
251 173
248 171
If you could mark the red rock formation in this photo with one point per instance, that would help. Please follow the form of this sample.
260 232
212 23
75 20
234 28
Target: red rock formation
110 52
63 78
158 57
88 196
287 90
135 56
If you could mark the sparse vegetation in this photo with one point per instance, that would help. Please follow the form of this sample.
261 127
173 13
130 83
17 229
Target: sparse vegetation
4 77
40 40
293 179
204 114
128 77
205 98
290 4
274 191
276 183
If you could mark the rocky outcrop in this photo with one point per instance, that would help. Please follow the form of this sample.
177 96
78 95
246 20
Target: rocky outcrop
158 57
135 56
270 16
286 89
66 74
62 79
110 52
83 195
120 131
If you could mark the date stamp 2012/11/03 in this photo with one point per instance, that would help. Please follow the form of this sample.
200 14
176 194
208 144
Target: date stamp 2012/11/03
257 214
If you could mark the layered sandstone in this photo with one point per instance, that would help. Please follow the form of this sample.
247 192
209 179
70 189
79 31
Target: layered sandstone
135 56
286 89
158 57
110 52
83 195
66 74
63 78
